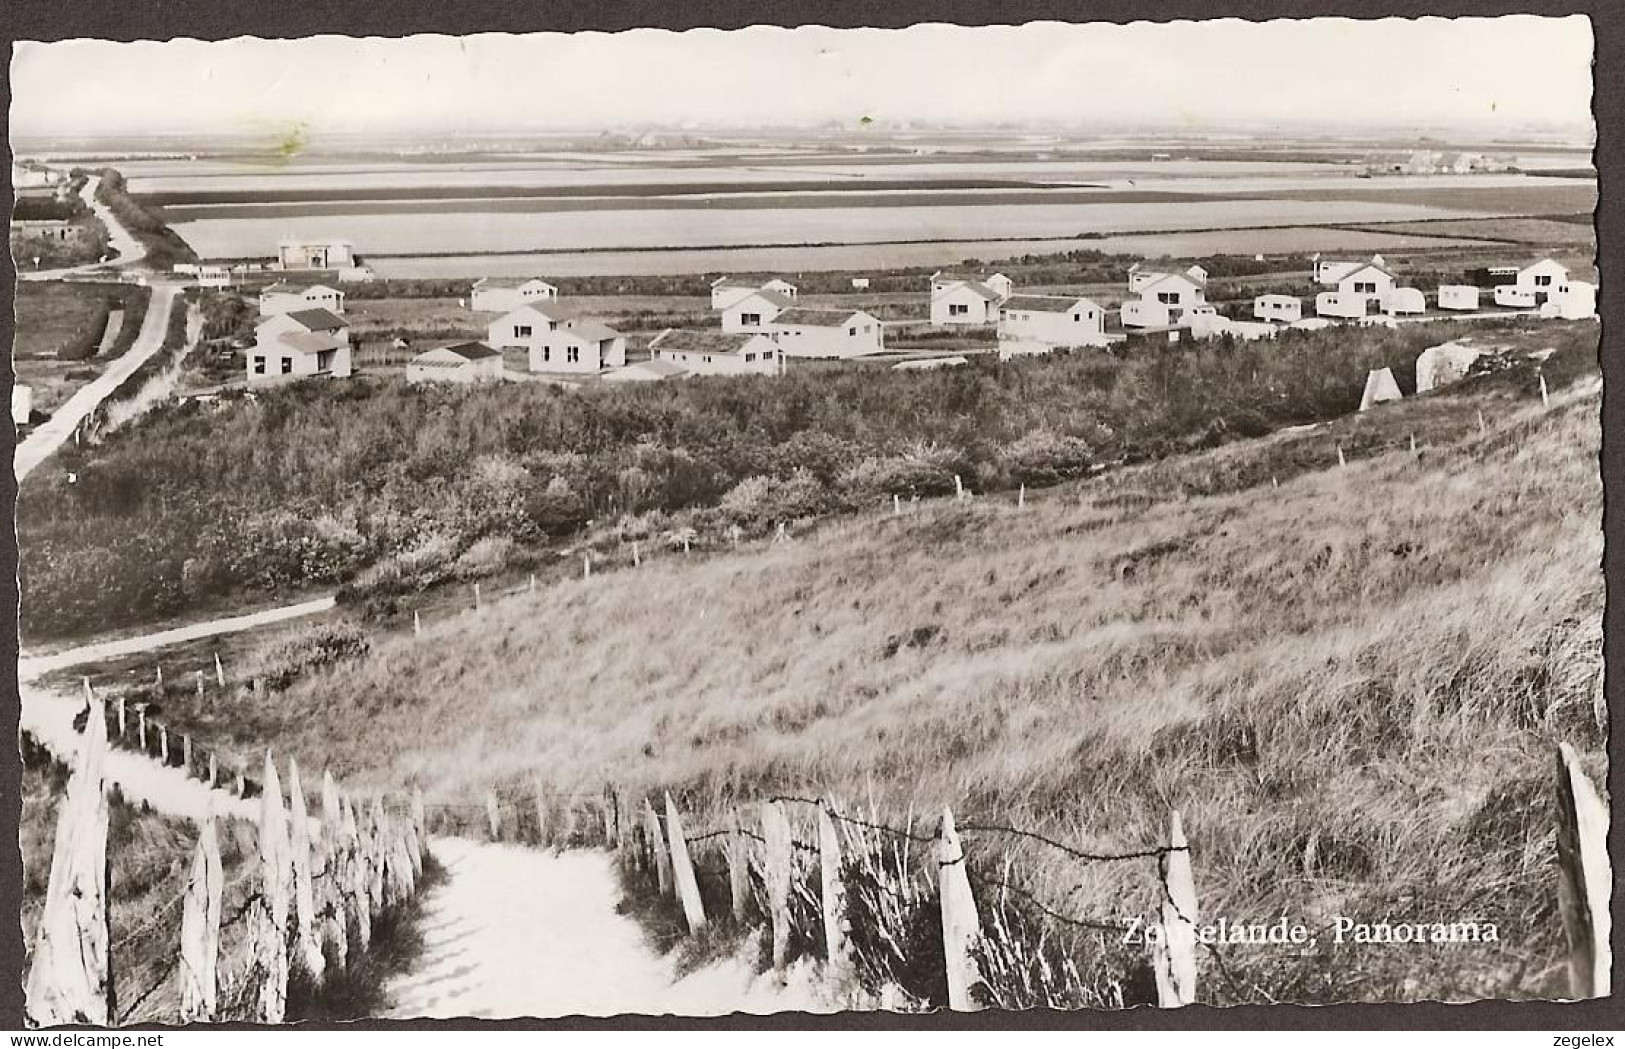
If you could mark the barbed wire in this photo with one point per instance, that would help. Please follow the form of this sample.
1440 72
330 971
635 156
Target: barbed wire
1075 853
144 927
1096 924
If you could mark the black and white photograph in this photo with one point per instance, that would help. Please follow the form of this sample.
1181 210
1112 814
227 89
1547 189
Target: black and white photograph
921 521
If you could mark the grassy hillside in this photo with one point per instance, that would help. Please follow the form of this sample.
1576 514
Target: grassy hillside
1348 679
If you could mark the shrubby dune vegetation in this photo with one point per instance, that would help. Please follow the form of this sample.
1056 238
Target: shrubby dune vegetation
388 489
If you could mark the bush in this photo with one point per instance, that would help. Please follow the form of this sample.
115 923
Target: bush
759 502
281 662
923 473
1045 458
88 339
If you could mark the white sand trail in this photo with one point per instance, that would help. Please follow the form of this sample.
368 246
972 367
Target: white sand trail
519 932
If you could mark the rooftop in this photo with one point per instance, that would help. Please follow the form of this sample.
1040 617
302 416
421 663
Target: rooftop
318 320
693 341
1046 303
468 351
815 316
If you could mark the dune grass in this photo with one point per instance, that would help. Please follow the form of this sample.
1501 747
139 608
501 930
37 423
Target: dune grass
1348 679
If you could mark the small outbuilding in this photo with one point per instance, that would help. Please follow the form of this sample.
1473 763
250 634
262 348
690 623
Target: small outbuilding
1282 308
1458 297
1380 388
1404 302
22 404
465 362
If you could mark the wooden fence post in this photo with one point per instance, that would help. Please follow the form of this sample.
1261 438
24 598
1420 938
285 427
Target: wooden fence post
1173 953
417 624
200 684
335 856
896 505
657 847
354 885
586 566
70 978
307 948
214 770
1585 877
738 867
268 919
493 815
1482 427
158 679
200 928
961 927
776 860
141 728
637 559
163 745
1340 460
219 672
120 704
377 844
832 894
541 812
418 830
688 886
959 487
1021 500
1545 397
186 753
477 603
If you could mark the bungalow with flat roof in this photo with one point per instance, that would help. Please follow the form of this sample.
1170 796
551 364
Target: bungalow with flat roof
283 297
464 362
1281 308
813 331
315 254
716 353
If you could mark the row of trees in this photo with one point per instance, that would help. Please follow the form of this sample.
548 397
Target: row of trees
318 483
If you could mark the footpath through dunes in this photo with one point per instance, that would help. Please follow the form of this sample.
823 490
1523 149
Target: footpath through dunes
517 931
1347 678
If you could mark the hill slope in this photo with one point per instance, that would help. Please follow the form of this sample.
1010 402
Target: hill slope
1349 684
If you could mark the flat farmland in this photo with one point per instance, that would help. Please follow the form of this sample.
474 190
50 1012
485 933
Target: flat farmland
1537 231
58 316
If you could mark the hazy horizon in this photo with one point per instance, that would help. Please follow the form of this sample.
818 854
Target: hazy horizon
1331 78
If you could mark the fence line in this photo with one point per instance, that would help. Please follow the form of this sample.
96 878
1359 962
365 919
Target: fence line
70 979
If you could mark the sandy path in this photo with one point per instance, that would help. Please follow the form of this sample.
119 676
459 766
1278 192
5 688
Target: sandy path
522 932
55 432
130 250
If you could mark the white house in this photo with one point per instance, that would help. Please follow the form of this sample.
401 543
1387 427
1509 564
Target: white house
1541 279
285 298
725 291
1578 300
220 277
1335 271
300 344
1404 301
1338 304
22 404
959 299
466 362
755 310
716 353
1164 299
1458 297
579 346
315 254
1514 297
1059 320
525 325
495 295
807 331
1282 308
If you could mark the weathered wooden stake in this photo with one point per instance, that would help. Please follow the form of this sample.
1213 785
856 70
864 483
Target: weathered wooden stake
1173 954
776 860
586 566
832 895
738 867
335 856
657 848
1413 444
688 886
1585 877
637 561
417 623
141 728
268 918
418 830
685 544
200 684
219 672
120 706
477 595
356 885
163 745
186 752
307 948
609 816
959 487
159 678
200 928
70 978
896 505
493 815
1340 460
531 586
1482 427
541 812
214 770
1545 397
1021 499
961 927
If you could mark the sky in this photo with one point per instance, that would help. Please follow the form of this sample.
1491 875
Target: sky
1482 73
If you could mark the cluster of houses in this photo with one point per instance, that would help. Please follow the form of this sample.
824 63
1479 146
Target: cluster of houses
761 325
